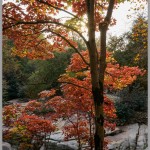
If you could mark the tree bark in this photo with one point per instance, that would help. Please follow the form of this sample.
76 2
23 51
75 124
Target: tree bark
98 68
96 88
102 66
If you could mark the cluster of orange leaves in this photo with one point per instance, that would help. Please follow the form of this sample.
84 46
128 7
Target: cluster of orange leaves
36 124
24 126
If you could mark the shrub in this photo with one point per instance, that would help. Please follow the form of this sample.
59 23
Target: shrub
123 112
136 97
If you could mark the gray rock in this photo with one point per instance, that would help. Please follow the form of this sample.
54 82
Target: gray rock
133 137
142 141
6 146
56 142
42 148
56 146
113 97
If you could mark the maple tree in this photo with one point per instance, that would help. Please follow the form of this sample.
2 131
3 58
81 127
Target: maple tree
25 21
75 106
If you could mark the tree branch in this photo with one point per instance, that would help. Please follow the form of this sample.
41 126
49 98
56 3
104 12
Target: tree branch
69 27
103 29
63 85
48 4
76 85
52 22
109 12
40 41
71 45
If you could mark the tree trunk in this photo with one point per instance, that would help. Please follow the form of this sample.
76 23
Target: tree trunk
97 89
97 76
99 118
98 94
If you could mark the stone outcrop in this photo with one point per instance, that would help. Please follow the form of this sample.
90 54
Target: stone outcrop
57 142
6 146
132 137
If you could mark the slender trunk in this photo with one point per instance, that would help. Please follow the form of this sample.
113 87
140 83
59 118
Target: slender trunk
99 98
92 43
96 88
97 76
102 66
99 119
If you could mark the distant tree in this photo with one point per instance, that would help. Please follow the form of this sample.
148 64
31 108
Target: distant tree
131 48
5 89
46 74
15 72
10 71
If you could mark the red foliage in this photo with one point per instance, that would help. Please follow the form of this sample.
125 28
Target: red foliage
35 124
76 105
26 126
31 19
10 114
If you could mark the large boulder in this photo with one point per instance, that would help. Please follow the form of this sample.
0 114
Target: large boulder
130 137
133 137
57 142
6 146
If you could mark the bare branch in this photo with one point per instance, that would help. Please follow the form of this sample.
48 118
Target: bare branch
76 85
109 12
62 85
48 4
52 22
71 45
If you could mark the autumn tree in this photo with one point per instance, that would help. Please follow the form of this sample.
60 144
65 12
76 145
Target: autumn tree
24 22
75 106
130 49
76 103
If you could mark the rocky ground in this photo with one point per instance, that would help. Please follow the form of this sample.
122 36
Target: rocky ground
132 136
